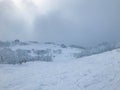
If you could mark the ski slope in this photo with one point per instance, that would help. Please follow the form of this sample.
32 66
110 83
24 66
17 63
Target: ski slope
96 72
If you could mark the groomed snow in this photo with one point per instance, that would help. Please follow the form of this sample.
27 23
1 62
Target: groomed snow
97 72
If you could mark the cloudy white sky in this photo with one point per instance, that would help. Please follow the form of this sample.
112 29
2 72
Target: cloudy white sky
82 22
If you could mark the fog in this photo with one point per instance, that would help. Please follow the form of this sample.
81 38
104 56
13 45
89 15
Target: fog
80 22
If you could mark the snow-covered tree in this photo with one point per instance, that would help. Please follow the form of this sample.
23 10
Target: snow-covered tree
22 56
7 56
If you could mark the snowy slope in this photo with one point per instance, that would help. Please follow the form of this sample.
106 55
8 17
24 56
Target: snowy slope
97 72
66 53
17 52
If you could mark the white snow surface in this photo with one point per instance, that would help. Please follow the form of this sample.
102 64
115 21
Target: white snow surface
96 72
66 55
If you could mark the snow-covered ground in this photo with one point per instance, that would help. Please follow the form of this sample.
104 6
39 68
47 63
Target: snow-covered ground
65 55
96 72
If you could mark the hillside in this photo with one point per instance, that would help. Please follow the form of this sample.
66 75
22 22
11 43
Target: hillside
21 52
18 52
96 72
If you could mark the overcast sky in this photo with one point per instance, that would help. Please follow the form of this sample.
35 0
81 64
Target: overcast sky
81 22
